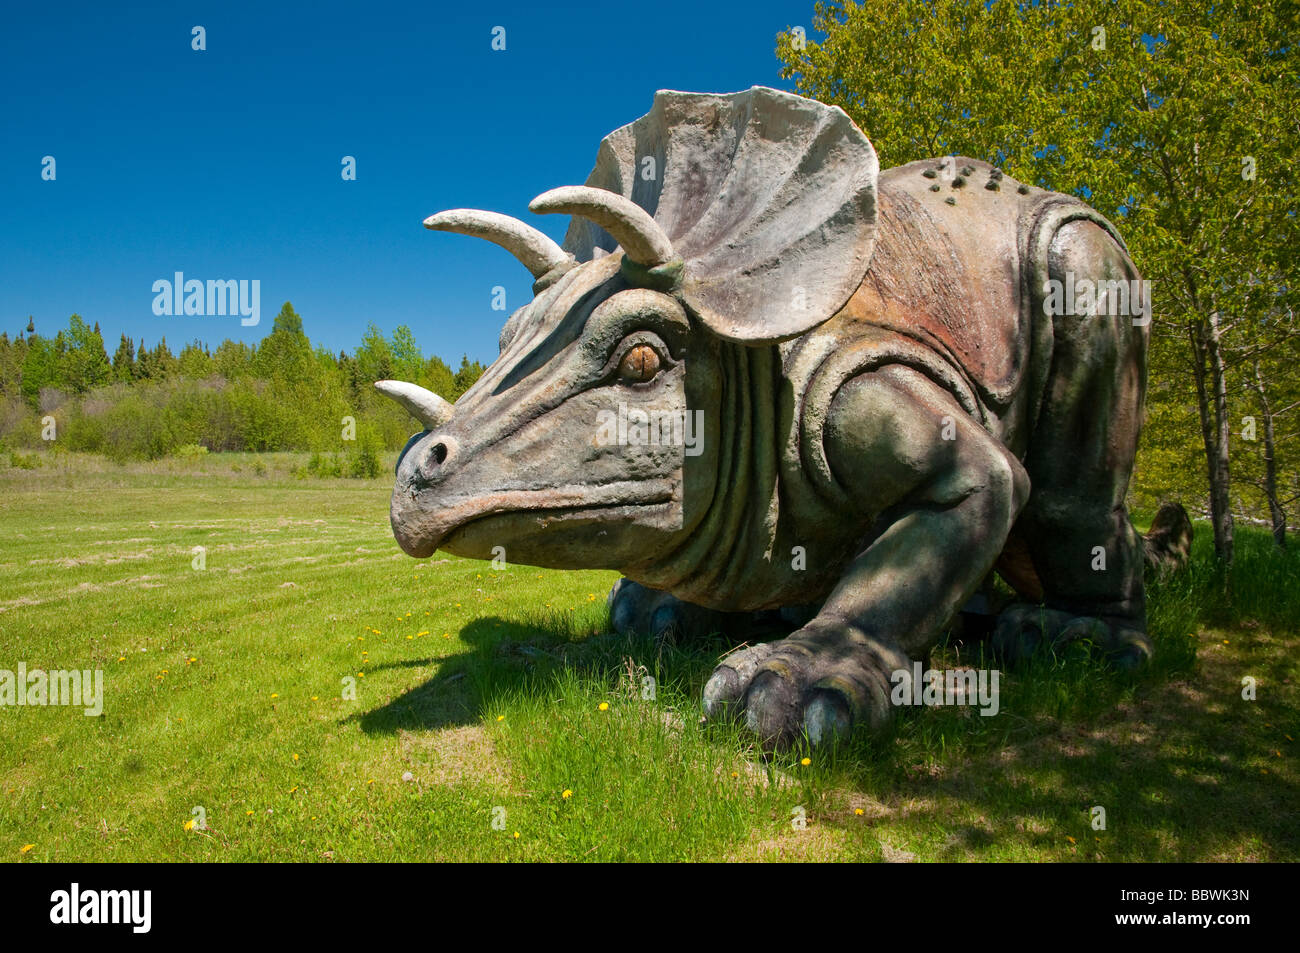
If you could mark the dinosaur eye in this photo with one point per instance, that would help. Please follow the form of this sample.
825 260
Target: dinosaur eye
639 364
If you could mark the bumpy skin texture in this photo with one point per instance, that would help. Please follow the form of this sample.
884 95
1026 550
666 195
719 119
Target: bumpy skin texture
864 467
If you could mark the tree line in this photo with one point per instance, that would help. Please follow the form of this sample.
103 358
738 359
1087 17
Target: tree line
146 402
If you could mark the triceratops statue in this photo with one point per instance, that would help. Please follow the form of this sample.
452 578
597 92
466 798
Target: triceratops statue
762 375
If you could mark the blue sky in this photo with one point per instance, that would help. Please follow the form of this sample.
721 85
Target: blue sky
226 163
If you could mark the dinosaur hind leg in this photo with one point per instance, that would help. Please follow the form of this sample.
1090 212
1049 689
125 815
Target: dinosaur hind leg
1073 548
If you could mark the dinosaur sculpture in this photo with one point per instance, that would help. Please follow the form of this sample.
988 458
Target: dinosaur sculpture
761 375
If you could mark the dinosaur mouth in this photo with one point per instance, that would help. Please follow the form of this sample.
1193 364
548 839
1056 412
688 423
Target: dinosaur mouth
464 527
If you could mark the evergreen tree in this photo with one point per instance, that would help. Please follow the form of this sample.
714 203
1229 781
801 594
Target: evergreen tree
285 352
124 369
233 359
468 373
84 363
194 362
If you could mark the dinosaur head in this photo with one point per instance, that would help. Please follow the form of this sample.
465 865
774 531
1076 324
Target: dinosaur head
595 438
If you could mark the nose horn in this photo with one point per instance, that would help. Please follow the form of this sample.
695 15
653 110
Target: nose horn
424 405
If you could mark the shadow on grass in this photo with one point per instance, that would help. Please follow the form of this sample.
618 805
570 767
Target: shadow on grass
1183 767
508 654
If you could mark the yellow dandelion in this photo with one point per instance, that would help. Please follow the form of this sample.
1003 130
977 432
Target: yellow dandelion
409 637
858 811
27 847
292 789
603 706
806 761
735 774
1225 641
121 658
1070 839
501 717
361 674
315 698
248 813
567 794
516 835
275 694
371 781
189 825
295 757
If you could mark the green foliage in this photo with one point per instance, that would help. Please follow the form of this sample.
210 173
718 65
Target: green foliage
281 395
124 367
365 461
24 461
465 377
194 361
1176 120
85 365
40 369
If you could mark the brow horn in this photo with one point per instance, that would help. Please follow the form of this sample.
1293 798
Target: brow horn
537 252
643 241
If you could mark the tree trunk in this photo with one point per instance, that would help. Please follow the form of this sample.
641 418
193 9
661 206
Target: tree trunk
1212 403
1275 511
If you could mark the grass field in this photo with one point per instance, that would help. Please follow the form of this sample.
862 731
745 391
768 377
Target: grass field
477 730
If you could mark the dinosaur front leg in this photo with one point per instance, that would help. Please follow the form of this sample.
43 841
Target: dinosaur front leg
941 510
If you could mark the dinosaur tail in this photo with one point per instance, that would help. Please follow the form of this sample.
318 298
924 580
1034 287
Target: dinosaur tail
1168 544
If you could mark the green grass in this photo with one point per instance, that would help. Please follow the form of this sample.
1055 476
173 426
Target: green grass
485 687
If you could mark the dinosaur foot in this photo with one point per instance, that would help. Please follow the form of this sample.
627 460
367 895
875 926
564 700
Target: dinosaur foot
637 609
820 682
1022 629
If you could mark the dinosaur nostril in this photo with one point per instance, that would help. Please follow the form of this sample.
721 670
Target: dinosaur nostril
431 467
